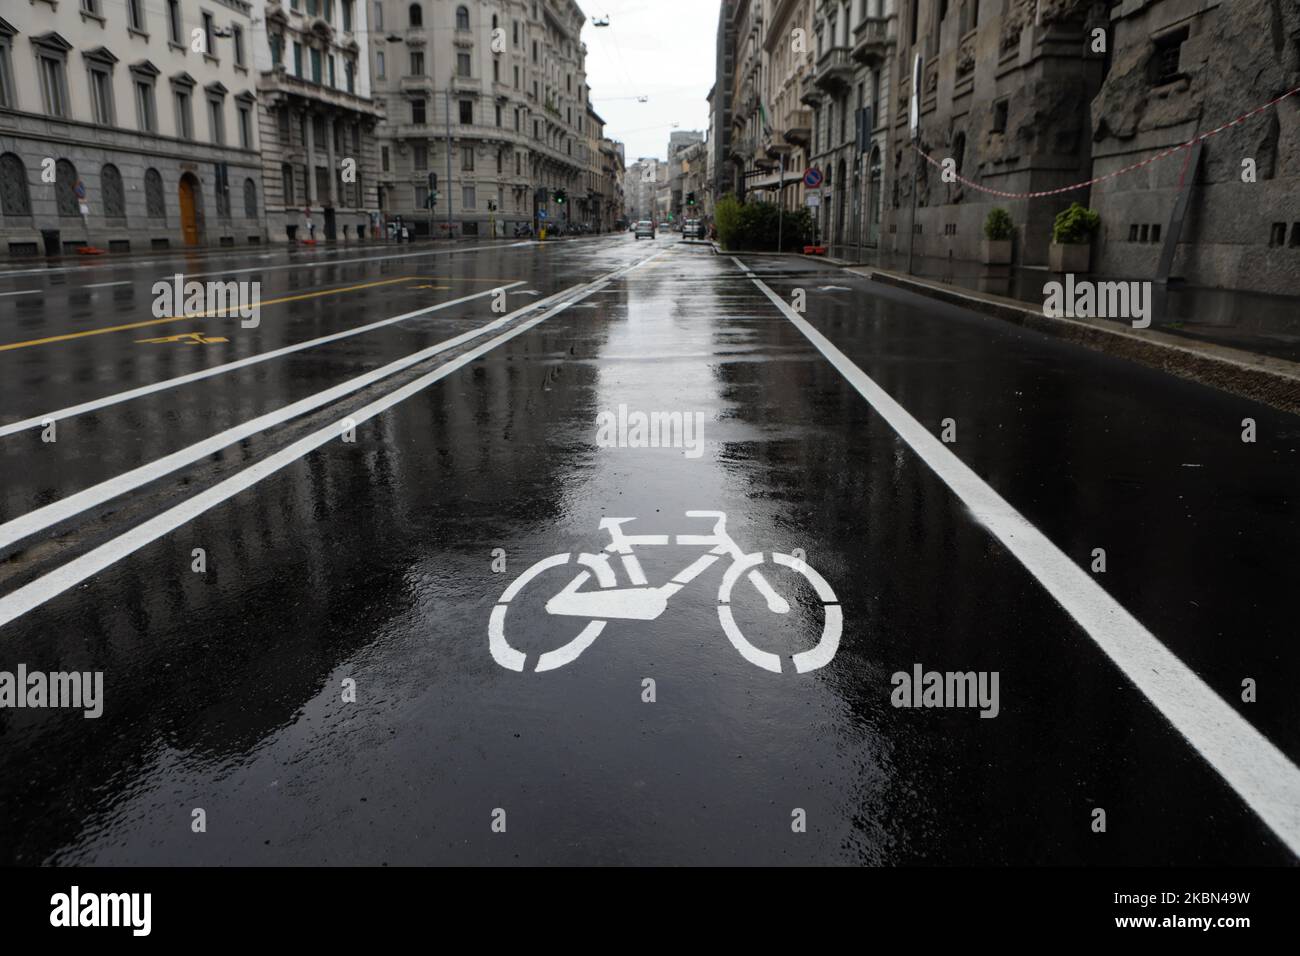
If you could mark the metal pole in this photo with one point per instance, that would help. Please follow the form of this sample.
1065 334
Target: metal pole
448 98
780 208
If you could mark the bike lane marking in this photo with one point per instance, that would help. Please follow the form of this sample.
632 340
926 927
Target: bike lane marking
1263 776
53 583
37 421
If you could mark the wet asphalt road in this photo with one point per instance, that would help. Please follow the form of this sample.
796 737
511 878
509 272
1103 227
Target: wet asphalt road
380 561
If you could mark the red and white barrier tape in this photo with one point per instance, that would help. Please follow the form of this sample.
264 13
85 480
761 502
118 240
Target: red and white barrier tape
1119 172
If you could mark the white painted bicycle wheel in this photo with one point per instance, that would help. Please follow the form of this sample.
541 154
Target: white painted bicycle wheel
833 624
513 659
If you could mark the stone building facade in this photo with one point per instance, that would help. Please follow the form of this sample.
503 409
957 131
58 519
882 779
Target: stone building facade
127 125
318 123
490 96
1180 68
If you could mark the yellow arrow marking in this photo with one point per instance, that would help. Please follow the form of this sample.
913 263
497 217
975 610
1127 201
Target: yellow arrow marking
189 338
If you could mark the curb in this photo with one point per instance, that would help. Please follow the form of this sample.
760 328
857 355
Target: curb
1270 381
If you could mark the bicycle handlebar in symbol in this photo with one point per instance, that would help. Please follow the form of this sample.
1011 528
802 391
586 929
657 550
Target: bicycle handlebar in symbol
608 601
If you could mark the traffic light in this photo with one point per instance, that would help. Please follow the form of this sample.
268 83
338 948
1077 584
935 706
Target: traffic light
690 199
560 197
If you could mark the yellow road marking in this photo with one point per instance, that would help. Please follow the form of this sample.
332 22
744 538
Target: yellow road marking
198 315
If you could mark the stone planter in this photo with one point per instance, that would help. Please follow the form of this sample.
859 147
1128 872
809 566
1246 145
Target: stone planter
997 252
1073 257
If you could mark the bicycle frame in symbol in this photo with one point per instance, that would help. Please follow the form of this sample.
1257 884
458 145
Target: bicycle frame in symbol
609 601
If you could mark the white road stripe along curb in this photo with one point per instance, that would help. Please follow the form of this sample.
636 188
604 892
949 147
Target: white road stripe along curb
1261 774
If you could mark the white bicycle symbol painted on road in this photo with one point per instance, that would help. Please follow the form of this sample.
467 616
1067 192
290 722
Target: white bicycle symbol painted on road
641 602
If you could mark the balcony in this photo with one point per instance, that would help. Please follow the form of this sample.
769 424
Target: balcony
835 70
875 40
278 87
798 130
809 94
466 84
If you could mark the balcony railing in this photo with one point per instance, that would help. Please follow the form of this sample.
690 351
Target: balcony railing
876 36
834 69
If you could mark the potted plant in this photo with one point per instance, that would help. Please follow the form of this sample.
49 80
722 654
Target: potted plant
1072 232
998 230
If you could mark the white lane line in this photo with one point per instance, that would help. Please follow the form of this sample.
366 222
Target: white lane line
38 421
50 585
1261 774
23 292
96 495
103 285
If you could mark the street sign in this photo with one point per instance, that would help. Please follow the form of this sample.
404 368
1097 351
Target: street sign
812 177
813 200
541 214
915 109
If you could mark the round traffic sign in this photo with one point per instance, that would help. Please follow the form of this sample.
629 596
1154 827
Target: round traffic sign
812 177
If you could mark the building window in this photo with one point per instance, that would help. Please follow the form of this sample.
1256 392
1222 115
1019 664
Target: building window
245 128
174 21
54 82
498 115
496 71
417 112
377 17
8 94
462 18
517 120
383 158
1164 64
347 16
1000 116
297 58
350 75
534 51
467 159
15 199
417 63
209 36
467 198
462 64
315 66
277 48
333 84
416 15
184 120
101 93
419 156
146 113
154 205
110 184
65 189
466 112
514 32
379 65
516 77
217 121
518 164
250 199
286 183
135 15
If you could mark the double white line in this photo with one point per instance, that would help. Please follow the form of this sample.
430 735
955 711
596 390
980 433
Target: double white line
50 585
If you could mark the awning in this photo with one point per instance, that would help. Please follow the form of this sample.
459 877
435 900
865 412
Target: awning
773 180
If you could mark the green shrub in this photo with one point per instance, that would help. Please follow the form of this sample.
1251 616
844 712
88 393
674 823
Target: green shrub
998 225
1075 225
753 226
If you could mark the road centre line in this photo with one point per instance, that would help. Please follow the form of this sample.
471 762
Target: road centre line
208 314
1263 776
56 511
23 292
54 583
39 421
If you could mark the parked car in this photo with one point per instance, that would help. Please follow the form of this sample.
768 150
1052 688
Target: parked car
645 228
692 229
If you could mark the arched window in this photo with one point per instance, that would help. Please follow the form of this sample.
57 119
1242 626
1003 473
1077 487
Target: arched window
250 199
462 18
417 15
65 189
154 206
15 200
110 184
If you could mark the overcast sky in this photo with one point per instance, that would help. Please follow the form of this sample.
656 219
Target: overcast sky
663 49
